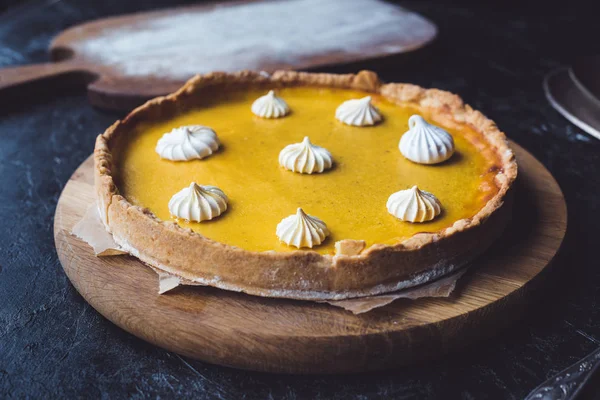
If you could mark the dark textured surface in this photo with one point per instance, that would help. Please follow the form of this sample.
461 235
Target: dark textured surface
52 344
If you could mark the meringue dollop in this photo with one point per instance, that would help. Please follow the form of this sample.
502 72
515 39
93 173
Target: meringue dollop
187 143
358 112
414 205
302 230
270 106
425 143
305 157
198 203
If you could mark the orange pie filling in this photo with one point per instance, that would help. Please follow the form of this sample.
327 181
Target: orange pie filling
350 198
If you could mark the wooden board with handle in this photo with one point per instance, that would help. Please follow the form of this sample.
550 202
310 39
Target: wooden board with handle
129 59
278 335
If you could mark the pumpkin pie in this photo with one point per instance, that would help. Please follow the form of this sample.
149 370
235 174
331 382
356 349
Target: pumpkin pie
304 185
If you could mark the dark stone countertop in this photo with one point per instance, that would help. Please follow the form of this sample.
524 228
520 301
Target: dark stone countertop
54 345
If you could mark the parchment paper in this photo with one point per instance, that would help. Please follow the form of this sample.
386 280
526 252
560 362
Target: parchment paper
91 230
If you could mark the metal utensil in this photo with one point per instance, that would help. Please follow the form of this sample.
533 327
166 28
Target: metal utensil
568 383
585 72
569 100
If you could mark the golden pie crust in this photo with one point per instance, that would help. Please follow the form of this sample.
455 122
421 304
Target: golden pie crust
354 270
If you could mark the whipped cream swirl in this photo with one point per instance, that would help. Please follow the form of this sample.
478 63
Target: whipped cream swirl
198 203
425 143
187 143
305 157
358 112
414 205
270 106
302 230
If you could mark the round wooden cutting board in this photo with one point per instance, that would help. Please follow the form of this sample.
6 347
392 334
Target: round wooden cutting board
277 335
131 58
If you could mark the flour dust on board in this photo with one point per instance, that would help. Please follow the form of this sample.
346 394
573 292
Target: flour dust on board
256 35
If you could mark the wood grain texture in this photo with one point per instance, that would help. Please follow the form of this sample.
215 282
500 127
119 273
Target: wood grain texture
132 58
289 336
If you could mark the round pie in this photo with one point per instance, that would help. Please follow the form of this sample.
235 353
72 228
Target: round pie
365 249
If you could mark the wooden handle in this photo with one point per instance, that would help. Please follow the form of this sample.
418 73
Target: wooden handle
15 76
